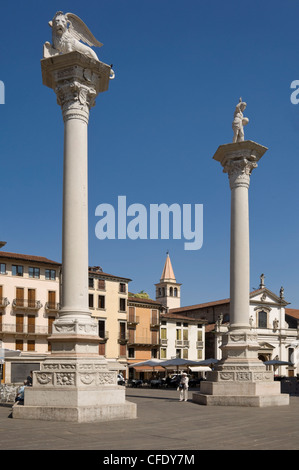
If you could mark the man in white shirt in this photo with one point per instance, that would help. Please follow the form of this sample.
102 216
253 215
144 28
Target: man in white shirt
184 385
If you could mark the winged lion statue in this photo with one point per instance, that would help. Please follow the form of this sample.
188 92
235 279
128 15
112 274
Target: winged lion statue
68 30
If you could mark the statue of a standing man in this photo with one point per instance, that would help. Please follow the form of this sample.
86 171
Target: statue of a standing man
239 122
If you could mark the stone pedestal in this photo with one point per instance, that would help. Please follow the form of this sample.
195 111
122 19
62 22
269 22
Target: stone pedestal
240 378
75 383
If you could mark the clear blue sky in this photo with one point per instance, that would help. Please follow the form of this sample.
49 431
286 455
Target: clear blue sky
180 67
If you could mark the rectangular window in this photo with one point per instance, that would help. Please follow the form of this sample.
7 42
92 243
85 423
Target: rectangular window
50 274
122 350
131 353
199 335
17 270
31 298
31 324
34 272
91 282
155 317
178 335
30 345
19 323
155 337
90 300
122 287
101 284
199 354
19 297
101 301
102 328
19 345
185 353
163 353
163 333
122 331
154 353
185 335
122 305
102 349
2 268
50 324
52 299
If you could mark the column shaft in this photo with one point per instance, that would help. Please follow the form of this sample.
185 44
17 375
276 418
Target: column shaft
75 219
239 258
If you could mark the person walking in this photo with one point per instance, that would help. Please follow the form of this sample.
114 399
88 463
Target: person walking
183 387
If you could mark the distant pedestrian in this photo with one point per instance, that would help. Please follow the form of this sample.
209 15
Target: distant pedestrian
29 379
183 387
20 394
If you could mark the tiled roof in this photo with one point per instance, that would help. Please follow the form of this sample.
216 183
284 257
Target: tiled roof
99 274
208 304
198 306
19 256
292 312
177 316
132 298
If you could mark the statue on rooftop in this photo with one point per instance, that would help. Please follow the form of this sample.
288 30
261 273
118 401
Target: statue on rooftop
239 121
67 32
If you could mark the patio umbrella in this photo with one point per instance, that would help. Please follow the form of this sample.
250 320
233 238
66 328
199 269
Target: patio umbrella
149 363
8 353
207 362
275 362
177 362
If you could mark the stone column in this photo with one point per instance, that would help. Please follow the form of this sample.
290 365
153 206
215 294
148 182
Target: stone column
75 383
239 171
240 378
76 80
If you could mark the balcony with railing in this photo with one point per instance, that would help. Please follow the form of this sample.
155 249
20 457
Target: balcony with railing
26 304
123 337
182 343
144 341
199 344
133 320
4 302
22 329
52 307
104 336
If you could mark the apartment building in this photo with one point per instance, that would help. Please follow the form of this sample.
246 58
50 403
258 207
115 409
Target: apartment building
108 303
182 336
29 303
143 332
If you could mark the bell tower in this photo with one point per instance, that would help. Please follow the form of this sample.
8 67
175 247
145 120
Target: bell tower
168 291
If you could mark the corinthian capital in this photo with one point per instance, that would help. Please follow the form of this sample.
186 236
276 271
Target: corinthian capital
75 98
239 172
238 160
76 80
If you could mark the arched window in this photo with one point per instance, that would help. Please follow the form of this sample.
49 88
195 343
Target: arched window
175 292
171 291
262 319
163 291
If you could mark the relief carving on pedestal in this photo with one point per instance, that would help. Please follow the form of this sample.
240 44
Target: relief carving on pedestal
65 378
44 378
107 378
87 379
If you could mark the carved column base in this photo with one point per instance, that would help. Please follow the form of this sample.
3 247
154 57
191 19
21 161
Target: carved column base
75 389
74 337
240 378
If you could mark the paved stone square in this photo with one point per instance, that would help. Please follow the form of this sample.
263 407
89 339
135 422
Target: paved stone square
163 423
